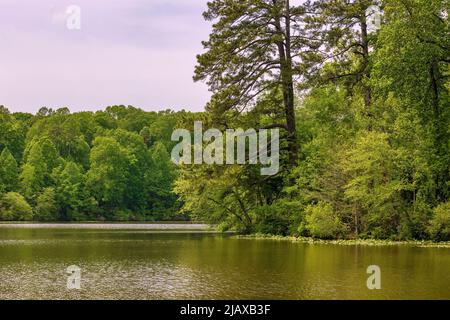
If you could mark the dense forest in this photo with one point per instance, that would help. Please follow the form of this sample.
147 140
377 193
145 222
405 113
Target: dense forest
363 111
108 165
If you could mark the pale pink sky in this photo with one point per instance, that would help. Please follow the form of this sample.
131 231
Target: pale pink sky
132 52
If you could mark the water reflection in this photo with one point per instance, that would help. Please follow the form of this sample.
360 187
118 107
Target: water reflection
146 265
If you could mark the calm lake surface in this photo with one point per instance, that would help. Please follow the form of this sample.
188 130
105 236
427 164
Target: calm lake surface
123 262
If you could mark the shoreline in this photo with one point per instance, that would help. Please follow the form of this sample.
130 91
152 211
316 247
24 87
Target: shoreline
167 226
348 242
163 226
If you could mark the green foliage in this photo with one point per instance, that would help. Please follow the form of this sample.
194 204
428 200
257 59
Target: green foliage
439 228
31 181
374 186
107 176
74 200
411 65
108 165
276 218
14 207
9 172
40 158
123 215
322 222
46 208
12 132
160 180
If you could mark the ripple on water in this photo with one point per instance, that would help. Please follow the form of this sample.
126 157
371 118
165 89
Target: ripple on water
106 280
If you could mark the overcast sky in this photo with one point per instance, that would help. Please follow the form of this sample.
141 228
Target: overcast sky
132 52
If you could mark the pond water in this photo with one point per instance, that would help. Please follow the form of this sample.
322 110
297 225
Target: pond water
175 263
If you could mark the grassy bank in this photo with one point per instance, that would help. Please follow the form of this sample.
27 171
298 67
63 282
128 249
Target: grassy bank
353 242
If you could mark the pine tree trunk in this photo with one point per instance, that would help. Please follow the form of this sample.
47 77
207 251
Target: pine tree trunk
367 90
284 50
